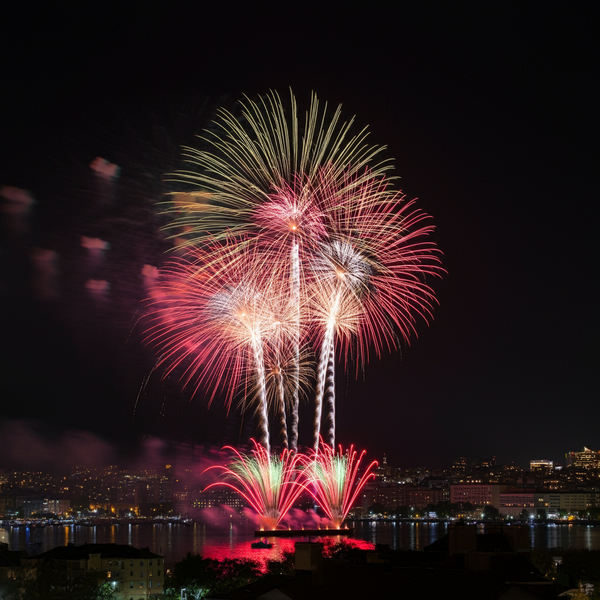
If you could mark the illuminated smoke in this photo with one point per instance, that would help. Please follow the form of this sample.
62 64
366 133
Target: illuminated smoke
16 206
45 273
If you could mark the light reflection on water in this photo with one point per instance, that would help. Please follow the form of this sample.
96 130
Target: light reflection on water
173 541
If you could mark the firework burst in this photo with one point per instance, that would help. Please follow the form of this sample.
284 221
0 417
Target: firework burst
213 313
334 480
369 279
266 153
293 237
259 172
269 483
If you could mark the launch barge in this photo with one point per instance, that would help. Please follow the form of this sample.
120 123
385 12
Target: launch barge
302 532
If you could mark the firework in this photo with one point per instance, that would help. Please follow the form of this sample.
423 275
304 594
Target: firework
334 480
368 278
249 161
293 237
253 179
269 483
213 311
287 370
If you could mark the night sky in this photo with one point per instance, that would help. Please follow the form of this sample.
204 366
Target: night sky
490 116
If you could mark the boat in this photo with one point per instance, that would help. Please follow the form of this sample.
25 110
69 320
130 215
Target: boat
261 544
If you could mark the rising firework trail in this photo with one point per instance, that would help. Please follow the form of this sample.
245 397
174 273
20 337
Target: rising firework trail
287 370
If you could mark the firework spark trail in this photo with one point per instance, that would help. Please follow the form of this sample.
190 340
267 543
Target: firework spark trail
295 289
259 365
328 341
334 482
269 483
268 148
329 398
336 312
282 415
287 371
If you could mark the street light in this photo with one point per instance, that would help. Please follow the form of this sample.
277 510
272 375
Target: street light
183 590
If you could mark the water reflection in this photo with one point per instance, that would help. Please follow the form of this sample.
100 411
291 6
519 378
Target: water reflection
232 540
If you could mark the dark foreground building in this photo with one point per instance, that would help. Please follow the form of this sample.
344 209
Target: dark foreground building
133 573
463 565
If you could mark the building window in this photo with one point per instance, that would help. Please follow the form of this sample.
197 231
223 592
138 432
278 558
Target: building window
131 563
141 563
130 584
158 572
141 573
130 573
149 563
149 584
141 584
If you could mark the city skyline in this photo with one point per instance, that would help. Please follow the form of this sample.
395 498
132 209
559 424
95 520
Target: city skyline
488 117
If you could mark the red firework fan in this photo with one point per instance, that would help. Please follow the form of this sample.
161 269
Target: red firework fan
334 480
269 483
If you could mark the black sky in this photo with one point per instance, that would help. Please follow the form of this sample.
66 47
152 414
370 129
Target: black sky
490 115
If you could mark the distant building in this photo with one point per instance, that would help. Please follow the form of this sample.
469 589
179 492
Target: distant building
7 505
541 465
464 466
31 507
570 502
397 494
586 459
477 493
550 504
134 573
58 506
513 502
220 497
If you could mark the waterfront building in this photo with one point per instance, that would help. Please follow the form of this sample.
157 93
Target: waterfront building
477 493
571 502
58 506
396 494
219 497
513 502
7 505
32 506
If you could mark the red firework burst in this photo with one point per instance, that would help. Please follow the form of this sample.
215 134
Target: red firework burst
269 483
334 479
